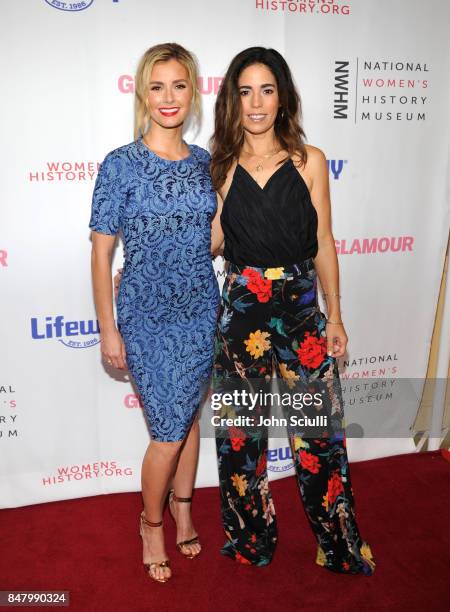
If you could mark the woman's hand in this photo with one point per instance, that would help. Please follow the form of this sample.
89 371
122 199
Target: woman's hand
117 279
336 339
113 349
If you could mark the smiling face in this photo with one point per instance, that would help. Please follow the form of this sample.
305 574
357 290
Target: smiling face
169 94
259 98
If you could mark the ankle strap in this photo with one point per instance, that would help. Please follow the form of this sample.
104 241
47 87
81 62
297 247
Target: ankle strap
149 523
180 499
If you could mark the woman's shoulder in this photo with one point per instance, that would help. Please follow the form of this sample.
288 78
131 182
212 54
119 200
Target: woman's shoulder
122 152
314 167
315 160
118 162
201 153
315 155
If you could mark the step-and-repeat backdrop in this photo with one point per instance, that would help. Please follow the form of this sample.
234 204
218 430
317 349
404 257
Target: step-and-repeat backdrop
373 82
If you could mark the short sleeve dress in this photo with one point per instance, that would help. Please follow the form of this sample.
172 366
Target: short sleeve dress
168 299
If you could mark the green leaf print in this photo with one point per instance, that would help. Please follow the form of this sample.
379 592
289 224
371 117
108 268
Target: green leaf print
277 324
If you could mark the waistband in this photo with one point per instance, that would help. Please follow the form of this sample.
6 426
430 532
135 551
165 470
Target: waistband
281 272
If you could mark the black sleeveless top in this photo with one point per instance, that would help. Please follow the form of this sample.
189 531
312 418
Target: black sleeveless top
271 226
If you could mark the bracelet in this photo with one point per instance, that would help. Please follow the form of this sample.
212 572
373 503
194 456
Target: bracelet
334 322
336 294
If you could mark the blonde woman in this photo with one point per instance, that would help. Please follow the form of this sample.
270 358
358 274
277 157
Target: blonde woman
157 192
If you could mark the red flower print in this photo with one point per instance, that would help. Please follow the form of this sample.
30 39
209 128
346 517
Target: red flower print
334 487
237 438
309 462
265 291
262 463
253 277
251 274
237 444
242 559
312 351
258 285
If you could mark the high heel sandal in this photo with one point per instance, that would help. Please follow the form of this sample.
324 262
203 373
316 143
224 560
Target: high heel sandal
195 539
150 566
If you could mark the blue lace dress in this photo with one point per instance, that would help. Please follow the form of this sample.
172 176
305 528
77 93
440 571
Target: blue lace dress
168 298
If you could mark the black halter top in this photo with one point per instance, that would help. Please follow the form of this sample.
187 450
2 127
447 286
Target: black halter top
270 226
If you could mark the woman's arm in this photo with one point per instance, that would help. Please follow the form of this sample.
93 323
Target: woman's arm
326 261
217 236
112 345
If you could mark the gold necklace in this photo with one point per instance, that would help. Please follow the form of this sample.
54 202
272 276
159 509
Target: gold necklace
259 165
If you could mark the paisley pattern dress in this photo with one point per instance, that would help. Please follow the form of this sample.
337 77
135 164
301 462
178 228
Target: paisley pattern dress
168 298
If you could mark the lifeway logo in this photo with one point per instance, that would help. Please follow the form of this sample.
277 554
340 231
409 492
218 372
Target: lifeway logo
279 459
73 334
208 85
70 6
72 171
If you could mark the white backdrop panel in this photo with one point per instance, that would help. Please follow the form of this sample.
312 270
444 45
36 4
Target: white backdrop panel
68 428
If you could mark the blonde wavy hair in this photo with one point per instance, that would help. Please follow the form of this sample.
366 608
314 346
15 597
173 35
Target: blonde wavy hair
162 53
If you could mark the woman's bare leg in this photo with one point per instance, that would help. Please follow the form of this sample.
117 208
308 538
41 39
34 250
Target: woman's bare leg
158 467
183 484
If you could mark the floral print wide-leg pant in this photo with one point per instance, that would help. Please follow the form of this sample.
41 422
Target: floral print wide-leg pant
270 316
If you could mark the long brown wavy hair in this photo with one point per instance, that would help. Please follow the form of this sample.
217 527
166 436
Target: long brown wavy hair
228 137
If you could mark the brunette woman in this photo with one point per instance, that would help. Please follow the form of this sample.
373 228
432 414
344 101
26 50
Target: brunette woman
276 221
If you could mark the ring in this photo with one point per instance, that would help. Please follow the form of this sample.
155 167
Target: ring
109 361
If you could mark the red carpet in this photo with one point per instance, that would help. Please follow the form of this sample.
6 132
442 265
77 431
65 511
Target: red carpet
91 548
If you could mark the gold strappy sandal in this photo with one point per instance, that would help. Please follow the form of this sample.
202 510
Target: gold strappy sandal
195 539
150 566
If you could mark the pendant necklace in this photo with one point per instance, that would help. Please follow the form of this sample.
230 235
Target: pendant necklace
260 165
